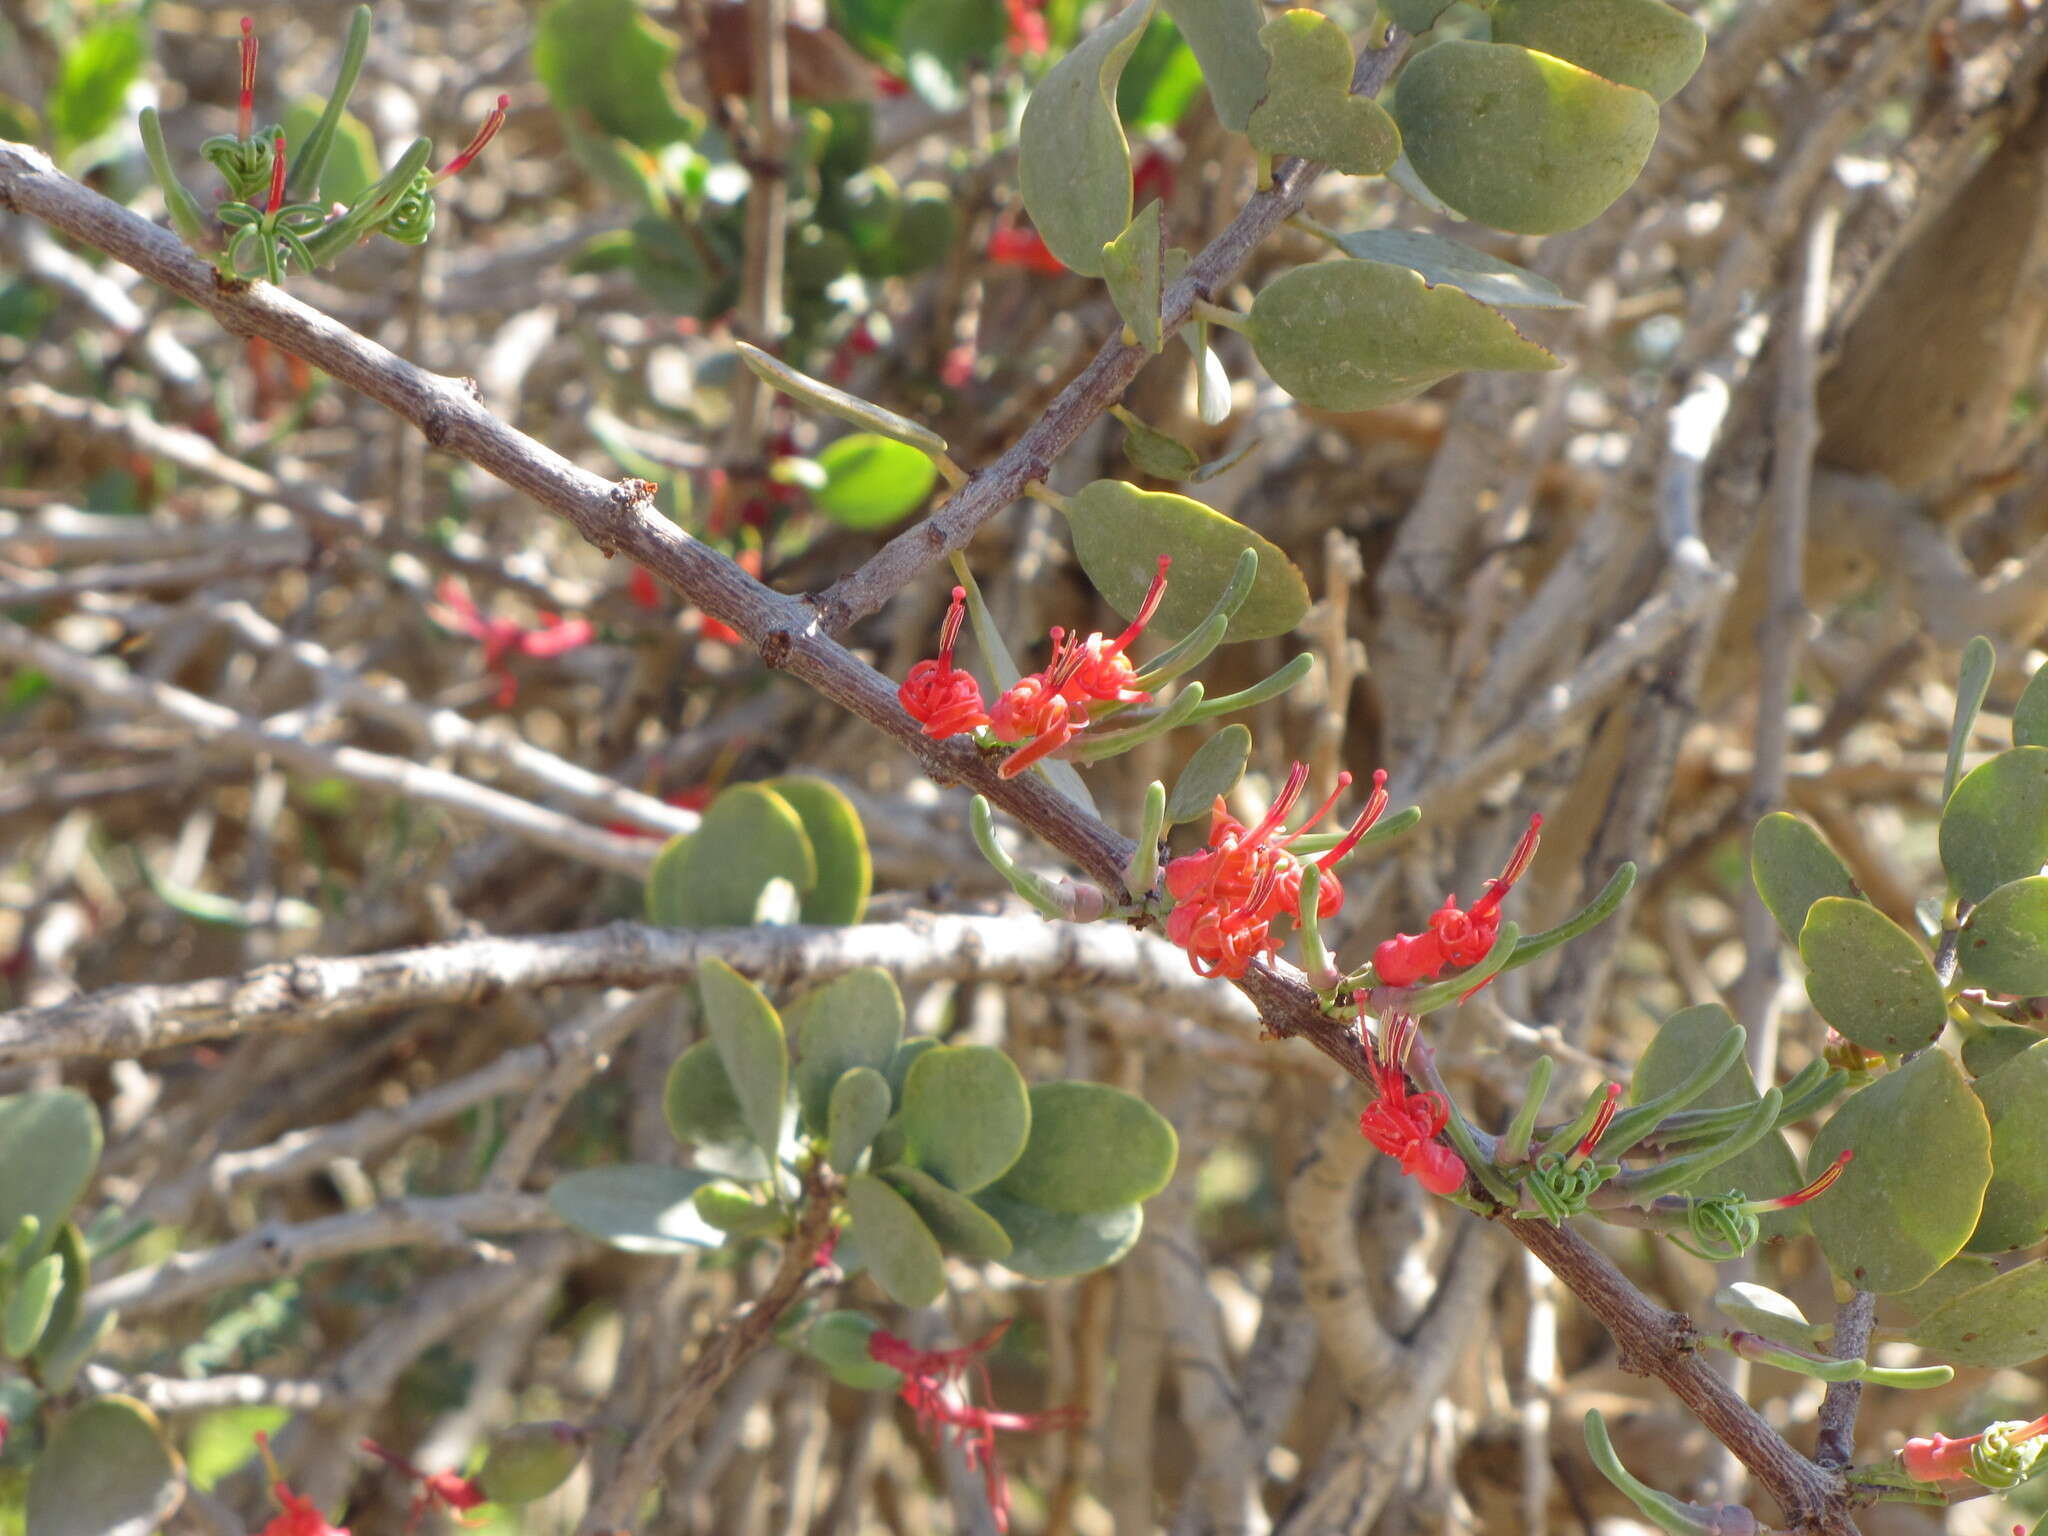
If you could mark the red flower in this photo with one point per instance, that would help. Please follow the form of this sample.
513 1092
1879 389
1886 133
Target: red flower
943 699
503 638
1228 894
1404 1125
297 1516
444 1490
493 121
245 113
642 587
1014 246
1939 1459
1152 177
1454 938
1027 26
932 1386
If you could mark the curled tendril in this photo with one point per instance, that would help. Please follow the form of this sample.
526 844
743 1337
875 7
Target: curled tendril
274 236
1560 1190
244 164
411 219
1721 1228
1997 1462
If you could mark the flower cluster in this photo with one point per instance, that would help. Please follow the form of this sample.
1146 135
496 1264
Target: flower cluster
932 1382
1453 937
1228 894
1402 1124
501 639
1043 712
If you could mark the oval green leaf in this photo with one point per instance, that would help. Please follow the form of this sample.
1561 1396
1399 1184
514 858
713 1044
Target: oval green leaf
526 1462
105 1471
29 1308
636 1207
839 1342
1762 1310
2003 1322
1964 1272
714 877
1120 532
1224 35
1980 660
1214 770
956 1221
1050 1245
1994 829
743 1025
1643 43
1093 1148
1074 164
1793 868
854 1021
1518 139
609 69
1308 108
898 1248
2016 1205
1911 1197
698 1100
1991 1046
846 873
1451 264
872 481
1152 452
1131 269
1870 978
966 1116
1351 335
858 1110
2004 943
732 1210
2030 714
49 1147
908 1054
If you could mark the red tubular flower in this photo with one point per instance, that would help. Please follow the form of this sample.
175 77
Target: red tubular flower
1454 938
643 589
245 115
493 121
1104 672
1405 1125
276 175
1028 34
943 699
1937 1459
933 1380
296 1516
1590 1142
501 638
442 1490
1013 246
1824 1182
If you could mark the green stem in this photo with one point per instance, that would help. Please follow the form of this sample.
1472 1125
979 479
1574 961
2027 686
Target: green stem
1143 870
1217 314
186 215
1514 1146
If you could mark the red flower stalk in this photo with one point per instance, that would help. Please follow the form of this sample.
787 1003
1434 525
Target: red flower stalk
940 697
444 1490
932 1386
245 118
1405 1125
1454 938
1014 246
1229 893
493 121
502 638
297 1516
276 175
1937 1458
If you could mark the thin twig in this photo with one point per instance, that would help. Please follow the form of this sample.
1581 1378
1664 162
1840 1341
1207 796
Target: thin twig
1835 1444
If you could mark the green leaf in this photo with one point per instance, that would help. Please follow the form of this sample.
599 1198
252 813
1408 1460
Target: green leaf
839 1342
1131 267
526 1462
1991 1046
1093 1149
1964 1272
1686 1043
956 1221
1214 770
49 1147
966 1116
743 1025
1762 1310
859 1108
899 1249
1870 978
1793 868
637 1207
854 1021
1911 1197
609 69
92 84
2003 1322
2004 943
714 877
908 1054
736 1211
1415 15
59 1350
846 873
1074 164
2030 714
943 41
29 1308
1120 532
1520 140
1643 43
1308 108
1152 452
1979 661
1451 264
1161 82
312 149
351 168
1994 828
1350 335
702 1110
801 387
2016 1205
105 1471
872 481
1224 35
1050 1245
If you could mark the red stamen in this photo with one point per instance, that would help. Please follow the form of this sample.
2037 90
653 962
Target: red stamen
276 175
1375 807
1517 866
1813 1191
1600 1123
489 131
1276 813
1343 783
1154 594
949 633
246 118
